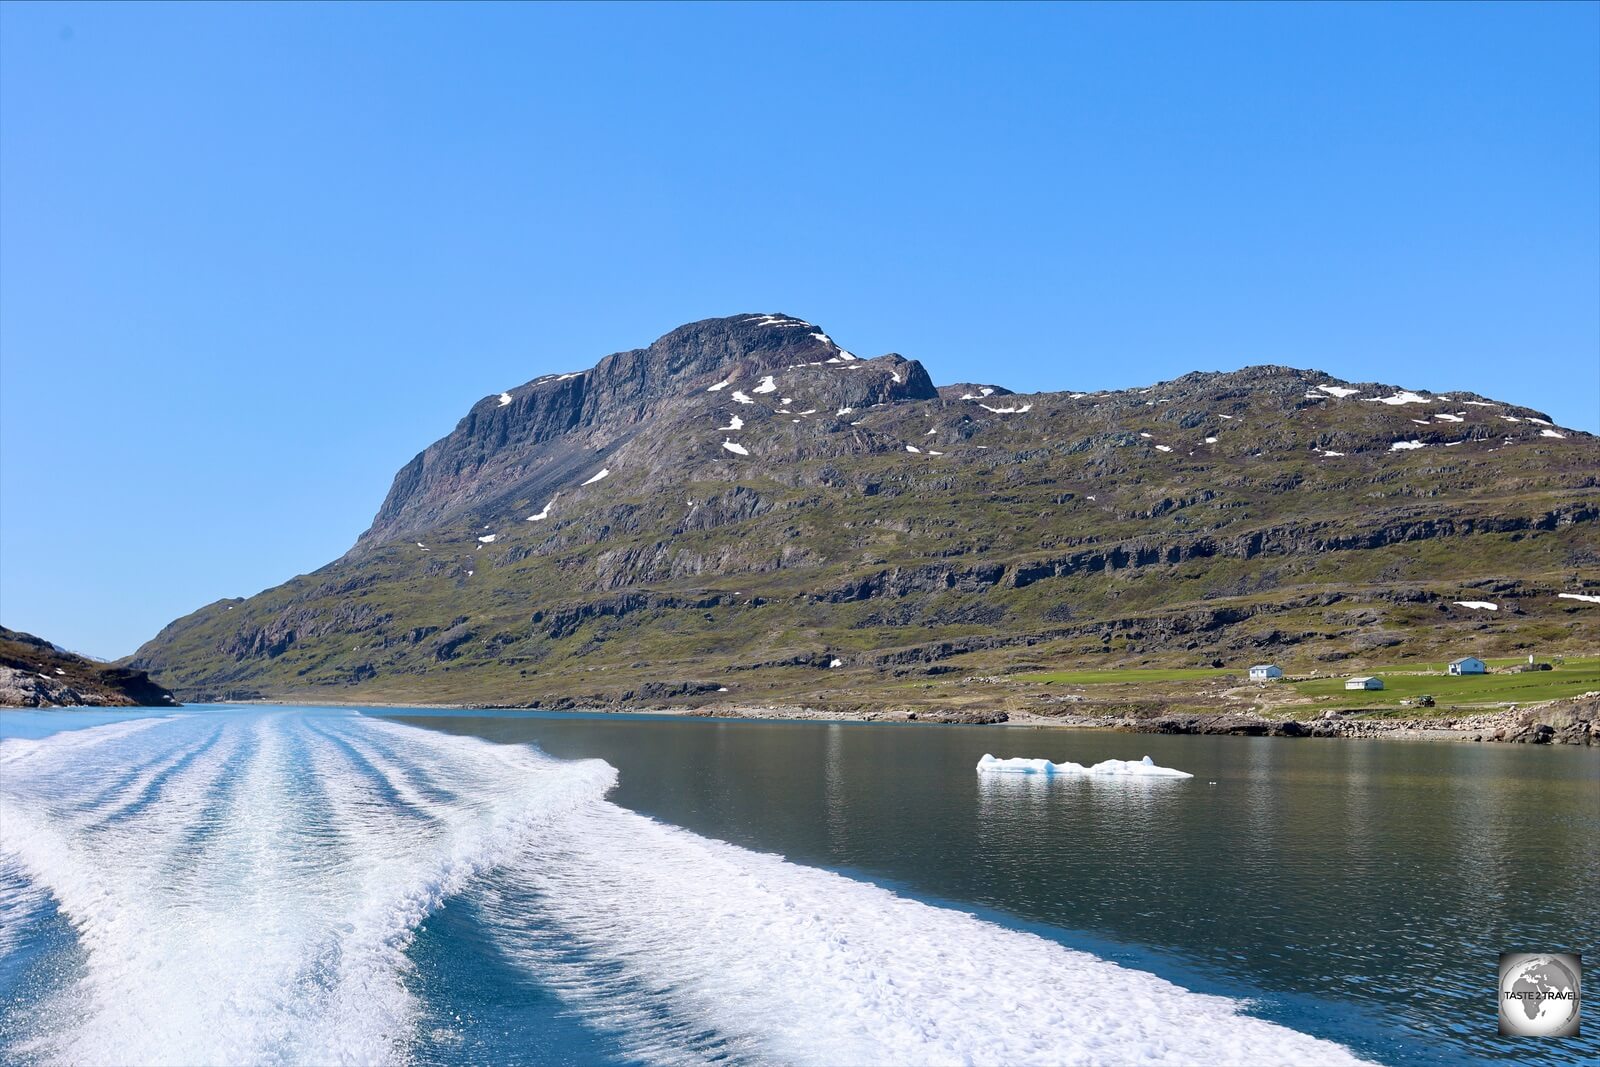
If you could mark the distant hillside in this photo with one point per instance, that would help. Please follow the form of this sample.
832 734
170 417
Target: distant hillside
36 674
744 511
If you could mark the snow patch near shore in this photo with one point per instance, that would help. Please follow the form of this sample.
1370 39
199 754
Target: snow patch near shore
1477 605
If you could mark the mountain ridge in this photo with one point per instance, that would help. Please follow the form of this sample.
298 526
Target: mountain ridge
588 536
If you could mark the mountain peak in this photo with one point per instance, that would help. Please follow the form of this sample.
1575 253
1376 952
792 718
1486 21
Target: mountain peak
535 437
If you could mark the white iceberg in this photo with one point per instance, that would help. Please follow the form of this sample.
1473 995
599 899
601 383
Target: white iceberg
1145 768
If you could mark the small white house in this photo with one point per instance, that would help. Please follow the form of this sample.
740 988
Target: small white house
1265 672
1468 665
1364 682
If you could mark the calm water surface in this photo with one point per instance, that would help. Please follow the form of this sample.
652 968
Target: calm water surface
1369 886
321 885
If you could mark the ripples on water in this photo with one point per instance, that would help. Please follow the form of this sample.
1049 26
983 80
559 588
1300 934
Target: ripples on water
295 886
1362 890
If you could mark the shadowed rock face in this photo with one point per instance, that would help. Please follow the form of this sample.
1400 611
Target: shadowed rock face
538 436
726 513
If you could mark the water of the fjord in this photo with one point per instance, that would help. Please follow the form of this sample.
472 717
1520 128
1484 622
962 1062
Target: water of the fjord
261 885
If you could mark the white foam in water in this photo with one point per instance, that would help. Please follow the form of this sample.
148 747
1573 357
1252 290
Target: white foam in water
222 922
244 889
1145 768
791 964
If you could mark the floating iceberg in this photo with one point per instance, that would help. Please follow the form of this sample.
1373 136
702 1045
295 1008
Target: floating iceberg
1145 768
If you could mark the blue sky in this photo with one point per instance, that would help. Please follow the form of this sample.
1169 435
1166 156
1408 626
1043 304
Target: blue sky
252 259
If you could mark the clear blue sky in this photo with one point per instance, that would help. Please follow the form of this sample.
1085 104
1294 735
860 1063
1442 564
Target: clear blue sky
252 259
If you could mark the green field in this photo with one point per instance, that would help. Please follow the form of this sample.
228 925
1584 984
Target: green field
1576 675
1133 675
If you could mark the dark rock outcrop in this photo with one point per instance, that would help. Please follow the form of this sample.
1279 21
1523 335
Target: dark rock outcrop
36 674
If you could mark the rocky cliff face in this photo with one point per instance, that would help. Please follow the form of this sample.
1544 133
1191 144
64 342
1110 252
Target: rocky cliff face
36 674
729 512
535 438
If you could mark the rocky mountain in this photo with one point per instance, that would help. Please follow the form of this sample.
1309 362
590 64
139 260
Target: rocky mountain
36 674
744 511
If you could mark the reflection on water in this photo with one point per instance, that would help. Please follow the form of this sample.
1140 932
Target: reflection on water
1382 878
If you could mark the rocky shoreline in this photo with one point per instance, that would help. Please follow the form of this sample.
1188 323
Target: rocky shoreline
36 674
1561 722
1572 721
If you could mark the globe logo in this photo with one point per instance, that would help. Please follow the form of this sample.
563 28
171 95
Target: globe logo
1540 994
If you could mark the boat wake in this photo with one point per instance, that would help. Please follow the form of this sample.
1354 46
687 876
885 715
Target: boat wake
244 888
